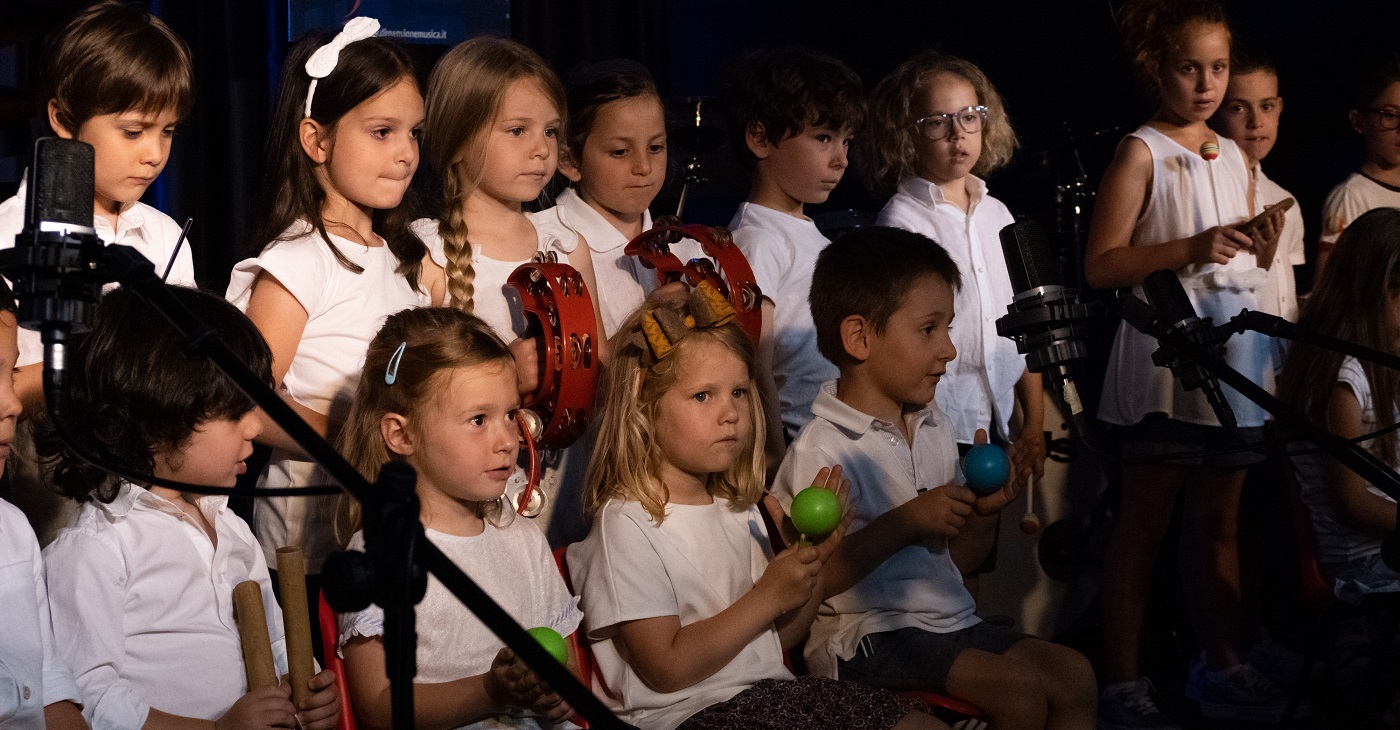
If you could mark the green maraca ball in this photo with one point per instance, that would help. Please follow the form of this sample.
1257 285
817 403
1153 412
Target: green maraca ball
816 512
552 642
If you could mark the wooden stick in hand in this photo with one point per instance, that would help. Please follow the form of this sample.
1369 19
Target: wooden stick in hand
252 634
296 620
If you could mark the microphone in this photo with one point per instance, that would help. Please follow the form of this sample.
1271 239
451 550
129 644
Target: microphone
1045 318
1176 313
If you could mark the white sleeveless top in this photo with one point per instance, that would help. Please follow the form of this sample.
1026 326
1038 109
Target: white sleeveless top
1189 195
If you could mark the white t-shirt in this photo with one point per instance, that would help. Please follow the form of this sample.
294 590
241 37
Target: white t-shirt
139 226
1279 295
782 251
1352 197
696 563
31 673
344 310
513 564
142 606
919 586
979 389
1189 195
1339 546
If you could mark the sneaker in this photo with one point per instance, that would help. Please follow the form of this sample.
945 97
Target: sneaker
1241 693
1282 665
1129 706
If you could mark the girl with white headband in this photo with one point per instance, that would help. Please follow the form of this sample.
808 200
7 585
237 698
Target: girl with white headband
336 252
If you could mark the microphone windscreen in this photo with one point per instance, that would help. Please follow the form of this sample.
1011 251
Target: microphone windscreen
1026 248
1166 295
60 183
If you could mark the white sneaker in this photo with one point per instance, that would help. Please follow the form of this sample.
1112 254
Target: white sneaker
1129 706
1241 693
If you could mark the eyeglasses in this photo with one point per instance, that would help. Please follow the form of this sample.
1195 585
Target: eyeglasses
938 126
1385 118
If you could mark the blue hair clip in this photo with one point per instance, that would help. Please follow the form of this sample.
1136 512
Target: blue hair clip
391 373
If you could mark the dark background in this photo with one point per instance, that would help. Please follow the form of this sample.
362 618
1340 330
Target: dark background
1059 66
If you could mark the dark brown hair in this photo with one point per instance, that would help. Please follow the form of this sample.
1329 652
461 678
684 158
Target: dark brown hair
290 191
785 91
593 85
1152 29
114 57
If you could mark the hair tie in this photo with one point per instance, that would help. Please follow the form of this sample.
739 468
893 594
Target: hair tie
391 373
323 61
663 327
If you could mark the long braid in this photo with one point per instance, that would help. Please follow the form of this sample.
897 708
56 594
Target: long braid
456 247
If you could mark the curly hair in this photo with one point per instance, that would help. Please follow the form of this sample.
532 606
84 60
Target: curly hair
785 91
1153 28
132 390
886 152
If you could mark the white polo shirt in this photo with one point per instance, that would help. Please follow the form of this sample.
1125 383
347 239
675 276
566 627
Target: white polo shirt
1279 295
918 586
979 389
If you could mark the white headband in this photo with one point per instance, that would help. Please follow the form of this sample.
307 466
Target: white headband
323 61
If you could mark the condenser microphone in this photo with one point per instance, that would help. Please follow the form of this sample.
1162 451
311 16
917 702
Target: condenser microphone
1175 311
1045 318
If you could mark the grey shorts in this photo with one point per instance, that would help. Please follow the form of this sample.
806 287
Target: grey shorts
915 659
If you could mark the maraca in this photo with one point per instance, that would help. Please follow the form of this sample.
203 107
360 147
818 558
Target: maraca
815 513
986 469
552 642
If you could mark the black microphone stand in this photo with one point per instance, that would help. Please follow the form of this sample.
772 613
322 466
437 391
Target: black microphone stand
1141 316
396 547
1273 326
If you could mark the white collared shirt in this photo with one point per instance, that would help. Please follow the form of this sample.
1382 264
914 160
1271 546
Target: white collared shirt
139 226
142 605
31 674
979 389
782 251
1279 295
623 282
919 586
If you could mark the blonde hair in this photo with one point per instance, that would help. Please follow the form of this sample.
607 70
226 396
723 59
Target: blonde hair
465 92
435 340
886 144
626 457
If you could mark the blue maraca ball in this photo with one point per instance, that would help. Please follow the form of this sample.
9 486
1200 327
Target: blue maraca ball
986 468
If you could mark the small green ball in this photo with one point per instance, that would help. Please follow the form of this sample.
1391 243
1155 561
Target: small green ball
816 512
552 642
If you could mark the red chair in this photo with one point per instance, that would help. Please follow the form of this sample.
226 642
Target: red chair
587 667
330 640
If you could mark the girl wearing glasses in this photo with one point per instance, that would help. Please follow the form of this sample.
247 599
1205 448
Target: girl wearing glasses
1375 115
1171 199
936 125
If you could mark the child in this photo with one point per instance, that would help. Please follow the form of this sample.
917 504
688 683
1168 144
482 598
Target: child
688 611
936 124
495 113
615 156
337 254
141 582
117 78
896 613
438 392
1375 115
1357 299
1165 205
793 113
38 684
1249 117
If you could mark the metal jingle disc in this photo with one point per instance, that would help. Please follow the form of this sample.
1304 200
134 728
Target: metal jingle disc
535 507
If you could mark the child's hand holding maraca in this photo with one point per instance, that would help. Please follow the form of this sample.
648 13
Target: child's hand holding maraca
511 683
988 473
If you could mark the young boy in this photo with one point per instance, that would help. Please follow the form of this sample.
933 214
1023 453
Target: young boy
1249 115
118 79
141 582
1375 115
36 688
896 613
792 113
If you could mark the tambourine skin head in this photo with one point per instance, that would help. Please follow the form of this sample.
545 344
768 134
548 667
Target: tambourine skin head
726 268
559 307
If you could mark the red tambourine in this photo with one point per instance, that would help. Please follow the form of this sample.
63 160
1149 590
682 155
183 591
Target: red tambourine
558 306
734 278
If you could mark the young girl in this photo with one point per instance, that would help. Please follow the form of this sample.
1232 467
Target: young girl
936 124
141 583
1167 201
439 393
688 611
495 113
1357 299
337 252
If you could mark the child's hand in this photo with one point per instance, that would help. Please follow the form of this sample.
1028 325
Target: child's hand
1217 245
941 512
269 707
511 683
1027 454
1266 236
322 709
792 576
527 365
674 292
828 478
